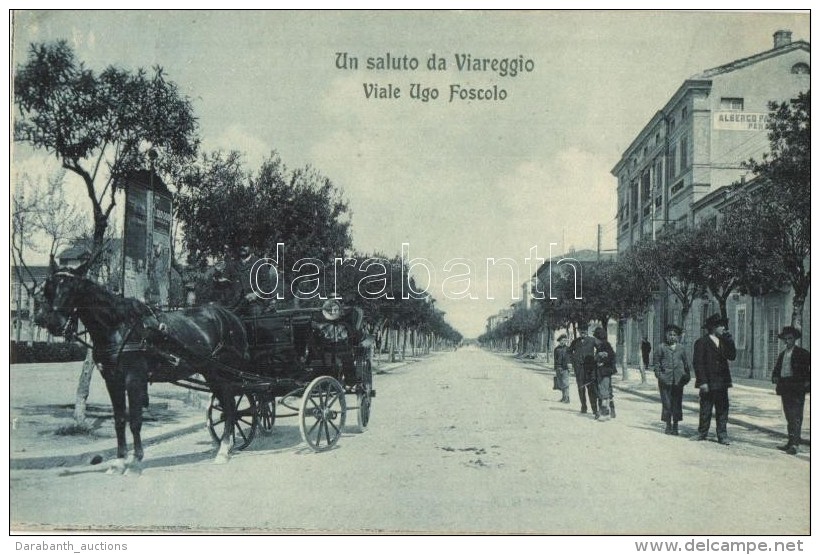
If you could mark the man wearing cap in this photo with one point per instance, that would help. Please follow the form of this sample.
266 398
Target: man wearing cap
672 370
792 376
711 359
582 354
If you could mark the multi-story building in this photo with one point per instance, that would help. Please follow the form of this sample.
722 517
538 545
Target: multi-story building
694 146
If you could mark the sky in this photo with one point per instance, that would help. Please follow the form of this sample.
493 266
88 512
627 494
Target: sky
462 180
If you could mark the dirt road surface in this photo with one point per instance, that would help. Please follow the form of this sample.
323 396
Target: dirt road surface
465 442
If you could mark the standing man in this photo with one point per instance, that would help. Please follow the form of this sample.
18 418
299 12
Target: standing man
792 376
711 359
646 348
672 371
582 354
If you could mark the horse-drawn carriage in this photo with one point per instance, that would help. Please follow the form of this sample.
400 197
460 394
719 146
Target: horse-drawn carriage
306 361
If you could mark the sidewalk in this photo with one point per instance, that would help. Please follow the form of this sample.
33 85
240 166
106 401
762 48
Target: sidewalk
753 403
41 416
42 405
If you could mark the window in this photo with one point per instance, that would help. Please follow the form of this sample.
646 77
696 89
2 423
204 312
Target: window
658 201
671 124
645 185
801 69
684 154
671 164
740 326
676 187
684 113
634 194
658 174
734 104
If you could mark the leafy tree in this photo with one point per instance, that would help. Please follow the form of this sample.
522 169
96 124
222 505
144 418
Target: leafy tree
674 258
733 257
221 205
776 206
629 289
101 126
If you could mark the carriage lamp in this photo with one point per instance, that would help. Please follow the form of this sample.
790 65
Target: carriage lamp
331 310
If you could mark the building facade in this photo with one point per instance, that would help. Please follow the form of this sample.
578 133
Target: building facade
673 171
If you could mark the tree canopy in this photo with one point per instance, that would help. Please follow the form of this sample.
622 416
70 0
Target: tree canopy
101 126
775 207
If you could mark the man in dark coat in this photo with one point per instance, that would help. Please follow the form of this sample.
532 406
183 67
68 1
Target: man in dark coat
711 359
582 354
234 282
646 348
792 375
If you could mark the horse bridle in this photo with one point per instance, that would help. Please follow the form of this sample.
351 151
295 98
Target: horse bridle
69 331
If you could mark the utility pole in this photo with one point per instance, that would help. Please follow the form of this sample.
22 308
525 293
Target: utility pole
599 242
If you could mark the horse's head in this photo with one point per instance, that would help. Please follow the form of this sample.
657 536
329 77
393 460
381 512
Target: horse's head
59 299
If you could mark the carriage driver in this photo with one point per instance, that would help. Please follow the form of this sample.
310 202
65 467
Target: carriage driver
234 283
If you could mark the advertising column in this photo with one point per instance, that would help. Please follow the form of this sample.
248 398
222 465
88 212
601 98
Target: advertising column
147 239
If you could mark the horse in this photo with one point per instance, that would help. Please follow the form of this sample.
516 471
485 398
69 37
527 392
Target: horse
132 343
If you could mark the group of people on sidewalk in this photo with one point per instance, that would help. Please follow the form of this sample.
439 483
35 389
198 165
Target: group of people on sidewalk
593 361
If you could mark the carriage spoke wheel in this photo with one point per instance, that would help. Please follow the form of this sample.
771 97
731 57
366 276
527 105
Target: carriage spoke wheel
364 397
245 425
267 415
322 413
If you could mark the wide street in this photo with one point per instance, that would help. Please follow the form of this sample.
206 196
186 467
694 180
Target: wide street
465 441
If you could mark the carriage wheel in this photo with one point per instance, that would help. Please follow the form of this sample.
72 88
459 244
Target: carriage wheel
322 413
364 396
267 416
246 420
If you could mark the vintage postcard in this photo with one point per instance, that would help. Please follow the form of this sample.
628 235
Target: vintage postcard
409 273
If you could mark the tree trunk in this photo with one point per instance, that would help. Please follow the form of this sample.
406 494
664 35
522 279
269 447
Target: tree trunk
31 320
83 388
684 313
724 313
621 349
797 310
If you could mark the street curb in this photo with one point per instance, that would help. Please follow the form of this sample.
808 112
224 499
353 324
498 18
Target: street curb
55 461
398 365
732 419
35 462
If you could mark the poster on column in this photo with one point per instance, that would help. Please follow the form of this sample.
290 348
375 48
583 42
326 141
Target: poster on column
147 239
